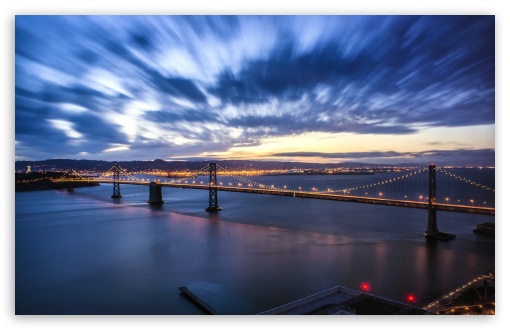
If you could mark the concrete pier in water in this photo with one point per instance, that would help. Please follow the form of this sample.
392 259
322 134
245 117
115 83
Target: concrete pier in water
155 194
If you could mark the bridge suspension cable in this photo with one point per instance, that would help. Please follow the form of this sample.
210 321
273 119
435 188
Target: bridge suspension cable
348 191
456 189
110 172
70 171
203 171
383 182
252 183
466 180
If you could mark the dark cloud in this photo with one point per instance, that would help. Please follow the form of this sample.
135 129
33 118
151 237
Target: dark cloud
458 157
80 95
142 40
31 122
177 87
369 154
180 114
289 124
94 128
223 26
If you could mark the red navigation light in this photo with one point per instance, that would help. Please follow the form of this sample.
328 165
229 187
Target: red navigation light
411 298
365 286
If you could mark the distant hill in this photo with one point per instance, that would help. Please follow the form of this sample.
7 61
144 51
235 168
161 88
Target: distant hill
159 164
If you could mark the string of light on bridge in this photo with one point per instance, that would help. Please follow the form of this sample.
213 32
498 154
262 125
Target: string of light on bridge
252 183
465 180
447 297
110 172
406 176
203 171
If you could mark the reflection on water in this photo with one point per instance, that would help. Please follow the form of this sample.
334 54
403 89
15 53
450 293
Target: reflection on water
84 253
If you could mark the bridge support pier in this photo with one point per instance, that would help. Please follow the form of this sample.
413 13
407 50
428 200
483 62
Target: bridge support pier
70 187
432 230
116 184
155 195
213 192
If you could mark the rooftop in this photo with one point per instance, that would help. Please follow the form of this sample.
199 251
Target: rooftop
344 301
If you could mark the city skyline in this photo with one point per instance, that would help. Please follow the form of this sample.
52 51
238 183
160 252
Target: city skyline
325 89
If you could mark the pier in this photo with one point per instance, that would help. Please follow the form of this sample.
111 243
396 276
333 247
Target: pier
185 292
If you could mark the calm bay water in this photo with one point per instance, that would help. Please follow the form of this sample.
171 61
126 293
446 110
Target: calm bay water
84 253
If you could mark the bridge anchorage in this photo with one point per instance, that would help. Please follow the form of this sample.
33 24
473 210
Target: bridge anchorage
116 178
213 192
432 230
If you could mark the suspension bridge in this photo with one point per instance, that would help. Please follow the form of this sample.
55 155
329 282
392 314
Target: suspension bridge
413 189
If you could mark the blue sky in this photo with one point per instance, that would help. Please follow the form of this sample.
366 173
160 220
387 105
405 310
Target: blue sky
379 89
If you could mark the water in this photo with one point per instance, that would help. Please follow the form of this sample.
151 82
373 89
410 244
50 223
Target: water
84 253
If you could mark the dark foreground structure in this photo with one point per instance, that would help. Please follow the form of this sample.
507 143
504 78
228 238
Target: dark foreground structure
476 297
343 301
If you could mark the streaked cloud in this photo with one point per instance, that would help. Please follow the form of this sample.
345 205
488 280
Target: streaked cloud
117 148
192 86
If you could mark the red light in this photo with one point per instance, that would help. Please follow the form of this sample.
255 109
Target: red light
365 286
411 298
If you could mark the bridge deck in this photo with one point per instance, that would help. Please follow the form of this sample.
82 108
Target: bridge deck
301 194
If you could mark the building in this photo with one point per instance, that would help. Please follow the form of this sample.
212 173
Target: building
344 301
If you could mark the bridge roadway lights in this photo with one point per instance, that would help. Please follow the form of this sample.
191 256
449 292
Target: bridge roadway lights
155 195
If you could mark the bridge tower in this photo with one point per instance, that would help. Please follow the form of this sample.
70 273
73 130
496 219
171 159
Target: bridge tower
432 222
432 230
213 192
116 185
70 187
